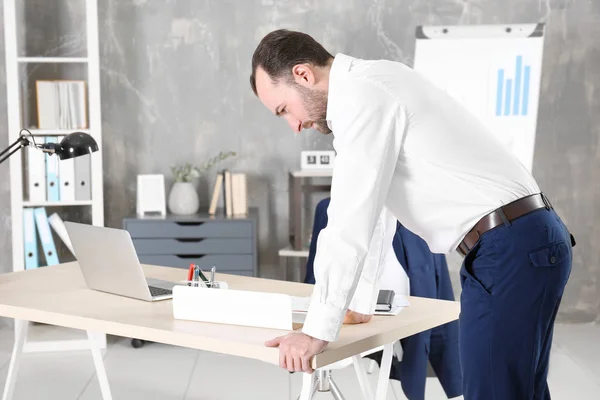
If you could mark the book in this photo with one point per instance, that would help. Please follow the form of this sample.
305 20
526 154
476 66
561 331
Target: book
235 194
61 104
215 197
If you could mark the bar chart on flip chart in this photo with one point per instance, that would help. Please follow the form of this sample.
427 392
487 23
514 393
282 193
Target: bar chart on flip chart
512 92
494 71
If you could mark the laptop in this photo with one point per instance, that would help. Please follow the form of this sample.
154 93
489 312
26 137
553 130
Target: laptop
109 263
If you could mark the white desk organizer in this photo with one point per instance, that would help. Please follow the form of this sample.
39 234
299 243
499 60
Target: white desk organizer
234 307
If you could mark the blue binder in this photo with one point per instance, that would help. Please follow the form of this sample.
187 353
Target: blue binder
52 183
41 218
30 240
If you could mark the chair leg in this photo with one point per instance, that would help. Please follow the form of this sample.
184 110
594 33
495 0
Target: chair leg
335 391
363 380
371 364
21 328
323 380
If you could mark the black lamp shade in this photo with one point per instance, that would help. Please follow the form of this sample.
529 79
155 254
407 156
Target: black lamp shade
76 144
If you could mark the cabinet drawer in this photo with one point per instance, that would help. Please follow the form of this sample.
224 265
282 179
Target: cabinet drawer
243 273
182 229
222 262
192 246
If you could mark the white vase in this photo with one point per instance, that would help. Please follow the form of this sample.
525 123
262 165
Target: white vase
183 199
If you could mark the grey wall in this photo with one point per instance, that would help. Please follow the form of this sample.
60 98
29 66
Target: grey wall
175 89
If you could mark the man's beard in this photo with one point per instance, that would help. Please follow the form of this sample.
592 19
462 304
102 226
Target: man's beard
315 102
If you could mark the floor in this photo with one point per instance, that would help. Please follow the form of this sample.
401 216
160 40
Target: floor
172 373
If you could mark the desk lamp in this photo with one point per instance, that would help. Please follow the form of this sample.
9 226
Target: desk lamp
73 145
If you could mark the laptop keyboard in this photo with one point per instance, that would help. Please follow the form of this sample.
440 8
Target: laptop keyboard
156 291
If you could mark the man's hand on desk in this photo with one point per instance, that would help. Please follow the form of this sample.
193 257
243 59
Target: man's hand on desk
353 317
296 350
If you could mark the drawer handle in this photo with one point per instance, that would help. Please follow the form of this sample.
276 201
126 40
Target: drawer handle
197 223
190 255
186 240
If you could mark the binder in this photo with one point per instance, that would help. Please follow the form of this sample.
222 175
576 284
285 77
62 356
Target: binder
41 218
83 187
52 184
36 172
59 227
66 179
30 240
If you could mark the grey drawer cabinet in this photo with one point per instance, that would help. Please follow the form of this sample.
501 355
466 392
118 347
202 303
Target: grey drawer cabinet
228 243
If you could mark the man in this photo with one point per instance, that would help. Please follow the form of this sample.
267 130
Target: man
405 145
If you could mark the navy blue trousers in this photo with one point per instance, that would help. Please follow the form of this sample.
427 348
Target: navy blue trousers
512 284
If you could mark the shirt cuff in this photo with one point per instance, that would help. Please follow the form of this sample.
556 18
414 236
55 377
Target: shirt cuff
323 321
365 298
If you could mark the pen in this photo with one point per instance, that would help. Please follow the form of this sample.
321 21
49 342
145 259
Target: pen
196 275
190 274
202 276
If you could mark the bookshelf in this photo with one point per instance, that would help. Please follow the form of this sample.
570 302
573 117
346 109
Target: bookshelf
20 116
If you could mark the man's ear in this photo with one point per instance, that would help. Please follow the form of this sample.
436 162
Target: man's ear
303 74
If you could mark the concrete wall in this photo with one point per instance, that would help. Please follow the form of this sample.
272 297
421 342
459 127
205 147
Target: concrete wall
175 89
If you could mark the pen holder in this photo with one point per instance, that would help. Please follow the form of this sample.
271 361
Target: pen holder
233 307
204 285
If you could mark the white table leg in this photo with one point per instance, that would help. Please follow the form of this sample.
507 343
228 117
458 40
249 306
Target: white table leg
99 364
309 386
363 380
21 328
384 372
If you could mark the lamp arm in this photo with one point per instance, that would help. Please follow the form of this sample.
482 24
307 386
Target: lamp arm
21 142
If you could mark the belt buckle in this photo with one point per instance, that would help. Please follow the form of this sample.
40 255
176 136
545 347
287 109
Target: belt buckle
462 249
546 202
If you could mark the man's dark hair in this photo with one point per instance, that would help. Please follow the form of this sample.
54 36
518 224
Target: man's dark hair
280 50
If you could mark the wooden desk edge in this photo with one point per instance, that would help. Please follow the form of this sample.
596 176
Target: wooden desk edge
268 355
335 355
447 312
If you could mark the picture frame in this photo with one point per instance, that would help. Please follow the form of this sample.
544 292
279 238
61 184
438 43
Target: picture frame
151 198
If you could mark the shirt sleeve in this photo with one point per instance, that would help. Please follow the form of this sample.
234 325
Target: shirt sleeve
367 289
369 124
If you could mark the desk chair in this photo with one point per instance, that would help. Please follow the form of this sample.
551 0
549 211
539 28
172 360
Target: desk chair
322 381
429 277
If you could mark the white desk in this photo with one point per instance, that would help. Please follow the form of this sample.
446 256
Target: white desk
57 295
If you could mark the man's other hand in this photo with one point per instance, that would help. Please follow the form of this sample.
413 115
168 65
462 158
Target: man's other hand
296 351
353 317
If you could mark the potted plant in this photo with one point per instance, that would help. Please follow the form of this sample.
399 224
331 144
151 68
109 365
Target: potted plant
183 199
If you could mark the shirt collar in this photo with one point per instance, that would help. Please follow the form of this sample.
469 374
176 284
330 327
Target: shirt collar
340 66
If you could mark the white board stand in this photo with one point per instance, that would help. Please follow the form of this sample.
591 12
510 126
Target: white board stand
494 70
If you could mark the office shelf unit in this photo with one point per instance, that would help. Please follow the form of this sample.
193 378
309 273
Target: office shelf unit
17 119
300 185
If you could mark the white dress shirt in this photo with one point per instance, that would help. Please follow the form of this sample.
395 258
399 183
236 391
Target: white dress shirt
406 146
